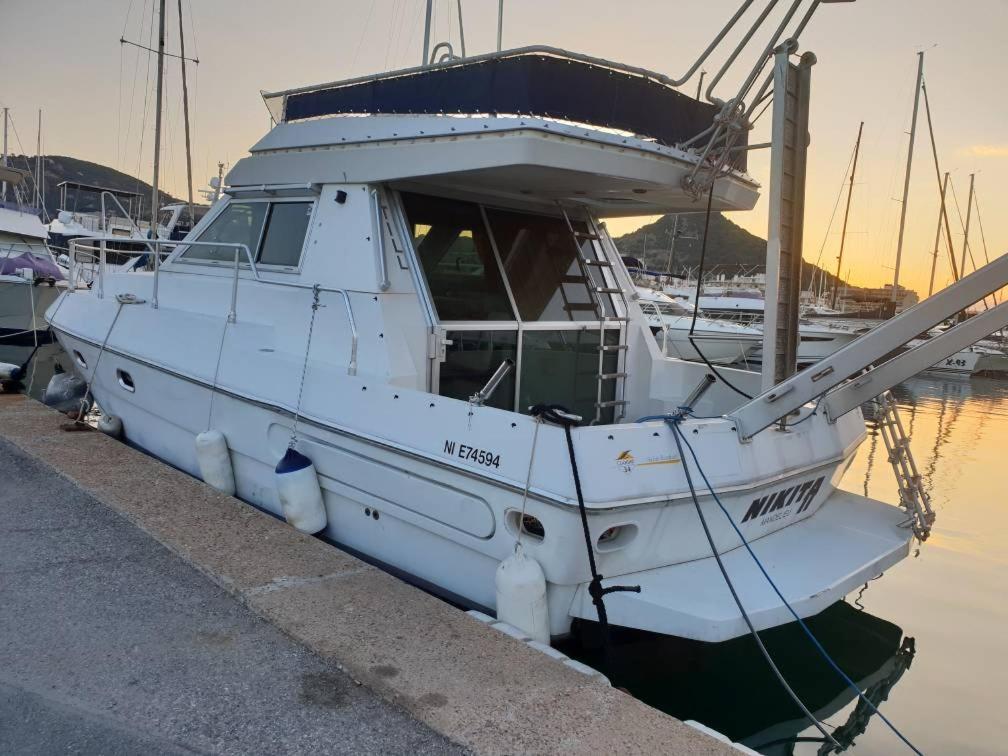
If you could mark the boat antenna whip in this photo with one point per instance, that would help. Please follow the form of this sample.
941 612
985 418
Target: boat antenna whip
674 421
558 415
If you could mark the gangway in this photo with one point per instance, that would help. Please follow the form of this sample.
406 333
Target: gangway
791 394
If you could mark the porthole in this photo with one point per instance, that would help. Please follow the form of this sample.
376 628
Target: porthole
125 380
530 526
616 537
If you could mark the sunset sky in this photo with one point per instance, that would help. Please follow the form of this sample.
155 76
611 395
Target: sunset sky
65 57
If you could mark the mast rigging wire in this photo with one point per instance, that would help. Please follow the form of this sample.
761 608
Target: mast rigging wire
696 303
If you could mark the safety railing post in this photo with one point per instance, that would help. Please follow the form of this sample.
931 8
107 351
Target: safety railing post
101 268
233 313
157 272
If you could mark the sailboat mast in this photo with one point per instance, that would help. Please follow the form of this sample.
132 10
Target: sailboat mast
843 234
185 113
937 175
3 197
38 162
941 211
969 213
906 178
157 126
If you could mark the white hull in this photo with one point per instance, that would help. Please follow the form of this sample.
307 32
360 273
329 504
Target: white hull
430 504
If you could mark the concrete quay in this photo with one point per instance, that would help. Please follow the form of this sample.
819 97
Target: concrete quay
144 611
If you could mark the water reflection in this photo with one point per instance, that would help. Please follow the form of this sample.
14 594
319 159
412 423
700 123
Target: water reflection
950 599
729 687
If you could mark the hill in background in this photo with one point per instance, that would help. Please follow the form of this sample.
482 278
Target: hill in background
58 168
730 248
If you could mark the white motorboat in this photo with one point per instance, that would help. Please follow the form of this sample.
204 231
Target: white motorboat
29 278
387 290
92 212
744 306
722 342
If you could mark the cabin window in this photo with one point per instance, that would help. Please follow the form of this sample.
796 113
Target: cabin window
562 367
286 227
458 260
539 257
470 360
239 223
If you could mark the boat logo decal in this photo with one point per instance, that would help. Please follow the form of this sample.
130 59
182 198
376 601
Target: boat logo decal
777 504
472 454
626 461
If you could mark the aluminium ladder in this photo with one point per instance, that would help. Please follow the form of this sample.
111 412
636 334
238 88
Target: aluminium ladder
913 498
597 293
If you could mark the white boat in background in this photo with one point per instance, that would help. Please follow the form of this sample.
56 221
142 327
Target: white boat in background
118 216
29 278
746 307
722 342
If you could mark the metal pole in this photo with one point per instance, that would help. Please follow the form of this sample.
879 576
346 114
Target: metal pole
185 111
699 86
157 136
461 29
843 234
934 258
671 249
969 212
906 178
426 33
500 23
38 161
3 197
944 209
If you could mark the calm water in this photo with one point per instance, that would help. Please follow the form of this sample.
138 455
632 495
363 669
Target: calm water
925 642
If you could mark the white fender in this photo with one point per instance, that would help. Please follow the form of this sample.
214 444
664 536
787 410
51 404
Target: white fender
110 425
300 496
521 595
9 372
215 461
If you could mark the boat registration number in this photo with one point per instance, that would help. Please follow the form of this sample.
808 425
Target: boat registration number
471 454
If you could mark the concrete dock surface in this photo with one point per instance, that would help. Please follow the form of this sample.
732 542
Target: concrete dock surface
142 611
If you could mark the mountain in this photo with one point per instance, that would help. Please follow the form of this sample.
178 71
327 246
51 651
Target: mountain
58 168
730 248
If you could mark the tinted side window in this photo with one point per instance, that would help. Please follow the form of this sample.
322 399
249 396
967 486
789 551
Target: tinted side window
239 223
541 264
285 233
454 250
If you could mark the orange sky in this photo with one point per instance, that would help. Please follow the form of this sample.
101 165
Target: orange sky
92 90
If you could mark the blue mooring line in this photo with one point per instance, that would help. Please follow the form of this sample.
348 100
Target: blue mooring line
673 422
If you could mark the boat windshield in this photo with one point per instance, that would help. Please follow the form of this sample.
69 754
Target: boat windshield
510 285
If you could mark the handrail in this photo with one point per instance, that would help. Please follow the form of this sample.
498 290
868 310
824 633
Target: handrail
75 244
645 305
376 212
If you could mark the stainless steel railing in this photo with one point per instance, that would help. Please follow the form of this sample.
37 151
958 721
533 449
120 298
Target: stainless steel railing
87 246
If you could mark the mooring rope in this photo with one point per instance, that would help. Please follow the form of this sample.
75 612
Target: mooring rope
680 438
558 415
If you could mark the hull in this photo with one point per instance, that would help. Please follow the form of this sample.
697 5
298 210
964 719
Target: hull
959 365
22 317
451 528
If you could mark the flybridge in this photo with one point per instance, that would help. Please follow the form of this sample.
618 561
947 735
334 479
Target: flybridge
535 81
